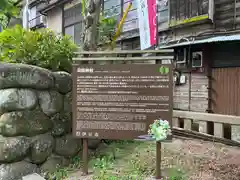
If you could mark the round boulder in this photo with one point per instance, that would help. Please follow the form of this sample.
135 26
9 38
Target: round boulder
59 128
17 99
28 123
68 102
51 102
13 149
41 148
25 76
67 146
62 124
93 143
17 170
63 82
54 162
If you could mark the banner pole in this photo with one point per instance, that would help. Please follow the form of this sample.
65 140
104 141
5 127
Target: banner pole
157 35
158 144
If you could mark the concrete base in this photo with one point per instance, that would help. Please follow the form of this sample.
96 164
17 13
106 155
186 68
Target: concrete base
202 127
236 133
34 176
188 124
218 130
175 122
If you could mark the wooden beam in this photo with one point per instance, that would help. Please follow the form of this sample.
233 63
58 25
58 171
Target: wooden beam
122 58
197 116
126 52
205 137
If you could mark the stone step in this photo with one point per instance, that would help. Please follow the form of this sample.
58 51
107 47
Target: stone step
34 176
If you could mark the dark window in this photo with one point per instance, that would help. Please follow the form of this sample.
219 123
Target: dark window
74 23
226 55
197 59
162 11
185 9
181 57
36 19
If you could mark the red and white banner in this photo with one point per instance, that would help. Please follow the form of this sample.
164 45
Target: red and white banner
147 13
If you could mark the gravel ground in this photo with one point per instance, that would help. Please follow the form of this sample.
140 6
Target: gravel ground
211 161
203 160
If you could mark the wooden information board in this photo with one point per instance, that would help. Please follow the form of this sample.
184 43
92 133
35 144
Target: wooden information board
120 101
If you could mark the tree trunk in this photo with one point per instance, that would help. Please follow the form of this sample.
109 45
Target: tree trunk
90 37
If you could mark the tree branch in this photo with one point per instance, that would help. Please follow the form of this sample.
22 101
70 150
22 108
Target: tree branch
17 2
8 18
8 15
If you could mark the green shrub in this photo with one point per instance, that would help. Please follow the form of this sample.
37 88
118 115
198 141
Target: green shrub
41 48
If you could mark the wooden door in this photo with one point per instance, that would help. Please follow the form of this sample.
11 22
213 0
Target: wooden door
226 91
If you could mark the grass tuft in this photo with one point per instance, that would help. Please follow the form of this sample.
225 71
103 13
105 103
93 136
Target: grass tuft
124 160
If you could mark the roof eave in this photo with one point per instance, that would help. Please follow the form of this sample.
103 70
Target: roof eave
223 38
49 7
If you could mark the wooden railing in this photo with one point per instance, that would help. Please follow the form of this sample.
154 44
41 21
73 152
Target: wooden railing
220 126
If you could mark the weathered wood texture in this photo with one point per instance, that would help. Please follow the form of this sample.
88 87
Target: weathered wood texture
199 116
193 95
184 9
227 14
199 93
180 133
181 95
226 17
202 119
225 91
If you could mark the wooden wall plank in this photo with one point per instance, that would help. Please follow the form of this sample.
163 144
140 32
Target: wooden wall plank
181 95
225 93
199 92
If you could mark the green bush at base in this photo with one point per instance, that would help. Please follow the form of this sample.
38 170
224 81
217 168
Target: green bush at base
41 48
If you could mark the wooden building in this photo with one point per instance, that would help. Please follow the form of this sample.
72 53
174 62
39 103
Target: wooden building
203 33
206 47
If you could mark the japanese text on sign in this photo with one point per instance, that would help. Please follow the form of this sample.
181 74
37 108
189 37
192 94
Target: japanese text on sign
120 101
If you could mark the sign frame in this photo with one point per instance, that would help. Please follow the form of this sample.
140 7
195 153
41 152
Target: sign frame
166 54
103 110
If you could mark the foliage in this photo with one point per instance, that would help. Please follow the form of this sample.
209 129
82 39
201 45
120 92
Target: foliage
107 28
62 172
8 9
107 25
159 130
136 162
177 174
133 160
41 48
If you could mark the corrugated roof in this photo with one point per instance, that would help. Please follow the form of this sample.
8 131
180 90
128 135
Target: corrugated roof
202 41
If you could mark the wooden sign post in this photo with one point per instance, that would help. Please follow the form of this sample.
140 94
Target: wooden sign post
85 156
158 160
120 101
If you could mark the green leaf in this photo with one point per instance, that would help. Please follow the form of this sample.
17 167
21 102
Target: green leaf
8 9
159 130
42 48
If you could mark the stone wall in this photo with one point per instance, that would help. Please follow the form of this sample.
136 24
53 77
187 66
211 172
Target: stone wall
35 121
